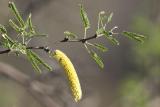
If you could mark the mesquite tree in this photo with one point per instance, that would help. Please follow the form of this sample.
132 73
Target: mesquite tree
26 31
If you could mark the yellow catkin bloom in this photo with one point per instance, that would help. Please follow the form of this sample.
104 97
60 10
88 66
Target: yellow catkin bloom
70 73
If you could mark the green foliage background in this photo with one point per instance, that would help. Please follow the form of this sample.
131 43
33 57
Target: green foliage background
135 89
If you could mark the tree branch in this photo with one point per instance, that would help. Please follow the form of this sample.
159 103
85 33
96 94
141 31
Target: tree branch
46 49
79 40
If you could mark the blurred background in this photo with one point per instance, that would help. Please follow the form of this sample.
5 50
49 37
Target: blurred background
131 77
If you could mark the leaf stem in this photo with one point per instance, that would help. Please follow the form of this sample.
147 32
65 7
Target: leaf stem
85 33
87 48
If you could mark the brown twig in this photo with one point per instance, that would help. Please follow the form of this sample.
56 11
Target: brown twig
79 40
46 49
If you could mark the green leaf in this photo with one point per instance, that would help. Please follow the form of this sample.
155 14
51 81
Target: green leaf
36 61
84 17
31 27
97 59
69 34
110 17
102 17
21 48
12 6
33 61
99 31
135 36
40 61
100 47
3 29
14 26
110 38
6 37
32 33
7 42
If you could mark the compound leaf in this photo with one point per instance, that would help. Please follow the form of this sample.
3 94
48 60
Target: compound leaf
110 38
12 6
33 61
3 29
100 47
135 36
110 17
97 59
69 34
40 61
84 17
14 25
